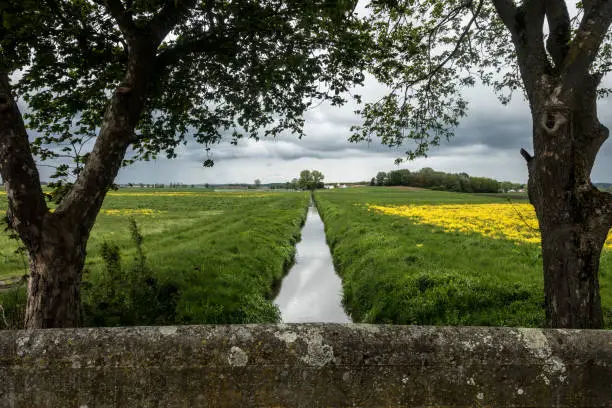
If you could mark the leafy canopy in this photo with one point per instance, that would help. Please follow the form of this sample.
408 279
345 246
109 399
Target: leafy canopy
231 69
427 51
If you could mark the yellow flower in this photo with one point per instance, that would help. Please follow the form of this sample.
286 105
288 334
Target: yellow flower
515 222
188 193
131 211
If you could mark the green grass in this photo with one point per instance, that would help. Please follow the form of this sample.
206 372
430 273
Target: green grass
449 278
226 252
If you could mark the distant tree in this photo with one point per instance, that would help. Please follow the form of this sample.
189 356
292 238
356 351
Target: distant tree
381 177
310 180
437 180
257 183
304 180
317 179
394 178
373 181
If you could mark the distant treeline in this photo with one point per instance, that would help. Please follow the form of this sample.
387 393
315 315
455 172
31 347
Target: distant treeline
438 180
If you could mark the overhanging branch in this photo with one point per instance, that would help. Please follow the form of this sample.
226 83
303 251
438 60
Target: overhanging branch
452 54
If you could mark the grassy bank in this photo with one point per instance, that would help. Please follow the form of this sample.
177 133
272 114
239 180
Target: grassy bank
224 252
397 269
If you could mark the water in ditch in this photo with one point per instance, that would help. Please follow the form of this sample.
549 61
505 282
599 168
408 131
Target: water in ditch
311 291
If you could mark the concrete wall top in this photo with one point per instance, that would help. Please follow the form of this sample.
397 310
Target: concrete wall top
313 365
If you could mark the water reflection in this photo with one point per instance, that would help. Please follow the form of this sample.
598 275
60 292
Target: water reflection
311 291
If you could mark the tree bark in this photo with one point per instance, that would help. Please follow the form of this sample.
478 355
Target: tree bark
574 216
55 277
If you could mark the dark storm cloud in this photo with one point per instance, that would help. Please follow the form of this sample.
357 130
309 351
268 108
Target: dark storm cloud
327 128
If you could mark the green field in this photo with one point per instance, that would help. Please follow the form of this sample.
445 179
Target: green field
226 252
395 270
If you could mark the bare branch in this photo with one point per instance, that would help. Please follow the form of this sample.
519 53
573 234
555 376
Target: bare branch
559 25
526 155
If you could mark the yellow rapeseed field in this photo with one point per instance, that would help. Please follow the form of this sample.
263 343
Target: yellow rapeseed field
516 222
188 193
131 211
232 194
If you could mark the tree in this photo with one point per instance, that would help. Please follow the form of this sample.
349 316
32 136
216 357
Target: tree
257 183
310 180
317 179
305 180
143 76
428 50
381 177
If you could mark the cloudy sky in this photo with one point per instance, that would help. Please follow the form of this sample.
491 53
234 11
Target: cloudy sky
487 143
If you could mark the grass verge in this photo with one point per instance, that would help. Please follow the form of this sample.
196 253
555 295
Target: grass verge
225 252
395 270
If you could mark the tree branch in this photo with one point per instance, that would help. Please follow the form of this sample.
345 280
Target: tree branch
525 24
588 4
169 16
27 205
526 155
585 46
559 25
458 44
207 43
507 11
123 19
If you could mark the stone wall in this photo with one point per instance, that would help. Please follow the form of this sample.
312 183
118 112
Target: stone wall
305 366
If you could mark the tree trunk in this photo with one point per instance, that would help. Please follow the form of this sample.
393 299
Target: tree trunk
571 264
573 215
56 266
